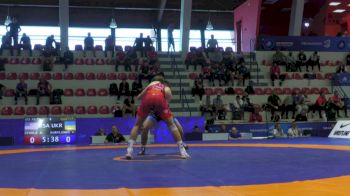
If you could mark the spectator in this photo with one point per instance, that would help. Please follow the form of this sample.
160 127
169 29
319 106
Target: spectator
122 60
191 59
138 46
218 72
217 103
301 117
223 129
255 117
337 104
109 45
215 57
47 60
6 43
237 108
21 91
25 44
244 73
249 89
320 104
198 89
275 73
234 133
117 111
341 68
2 90
273 104
288 105
314 60
196 129
44 89
347 59
277 131
115 136
291 63
148 44
123 89
247 105
49 41
279 58
113 89
144 72
89 44
294 131
2 63
136 88
68 58
128 110
212 44
301 60
100 132
208 111
171 38
14 30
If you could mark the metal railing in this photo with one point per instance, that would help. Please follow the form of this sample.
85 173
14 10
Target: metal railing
252 58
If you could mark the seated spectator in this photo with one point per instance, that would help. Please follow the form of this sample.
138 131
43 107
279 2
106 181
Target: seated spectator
212 44
152 57
215 57
44 89
301 103
234 133
117 111
291 63
115 136
207 110
89 44
138 46
122 60
218 103
198 89
25 44
320 104
248 106
218 73
144 72
68 58
279 58
3 61
113 89
337 104
201 58
136 88
301 117
244 72
301 61
249 89
128 110
273 104
6 43
2 90
131 59
277 131
313 60
47 60
237 108
341 68
223 129
49 41
109 45
228 60
191 59
208 74
294 131
100 132
275 73
288 105
148 44
255 117
21 91
124 89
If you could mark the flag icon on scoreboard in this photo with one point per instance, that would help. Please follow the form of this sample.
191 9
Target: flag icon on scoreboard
69 126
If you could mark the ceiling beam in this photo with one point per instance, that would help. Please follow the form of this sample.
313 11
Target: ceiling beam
162 5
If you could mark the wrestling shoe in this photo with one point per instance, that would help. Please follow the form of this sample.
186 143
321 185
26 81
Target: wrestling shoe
184 155
128 155
142 151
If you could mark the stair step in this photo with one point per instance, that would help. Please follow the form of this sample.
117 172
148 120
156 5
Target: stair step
179 101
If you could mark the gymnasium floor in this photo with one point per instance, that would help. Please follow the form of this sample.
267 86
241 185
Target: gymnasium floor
304 166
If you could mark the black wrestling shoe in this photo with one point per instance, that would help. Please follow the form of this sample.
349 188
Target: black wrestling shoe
142 151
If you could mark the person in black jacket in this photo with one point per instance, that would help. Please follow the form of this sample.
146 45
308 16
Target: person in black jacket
115 136
124 89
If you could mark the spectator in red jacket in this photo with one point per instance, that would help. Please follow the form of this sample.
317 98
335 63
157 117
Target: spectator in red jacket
275 73
255 117
320 104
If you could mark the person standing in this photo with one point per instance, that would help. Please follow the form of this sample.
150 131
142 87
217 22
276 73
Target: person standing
21 91
171 37
14 30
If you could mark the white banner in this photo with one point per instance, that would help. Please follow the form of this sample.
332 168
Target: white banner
341 130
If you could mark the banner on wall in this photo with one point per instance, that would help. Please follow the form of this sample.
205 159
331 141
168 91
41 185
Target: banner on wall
342 79
341 130
306 43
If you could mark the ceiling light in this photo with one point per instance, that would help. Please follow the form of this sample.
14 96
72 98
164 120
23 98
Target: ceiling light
334 3
306 24
339 11
209 26
113 24
7 21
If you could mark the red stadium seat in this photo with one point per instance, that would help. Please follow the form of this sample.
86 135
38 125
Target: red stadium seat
100 62
92 109
46 76
38 47
79 76
122 76
118 48
193 76
68 76
296 90
34 76
239 91
80 110
90 76
2 75
91 92
104 109
80 92
56 110
288 77
89 61
324 90
36 61
263 62
209 91
44 110
11 76
306 90
268 91
31 111
101 76
6 111
68 110
102 92
278 91
23 76
9 93
287 91
329 76
132 76
14 61
219 91
111 76
25 61
110 62
79 61
315 91
319 76
258 91
57 76
19 110
297 76
68 92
